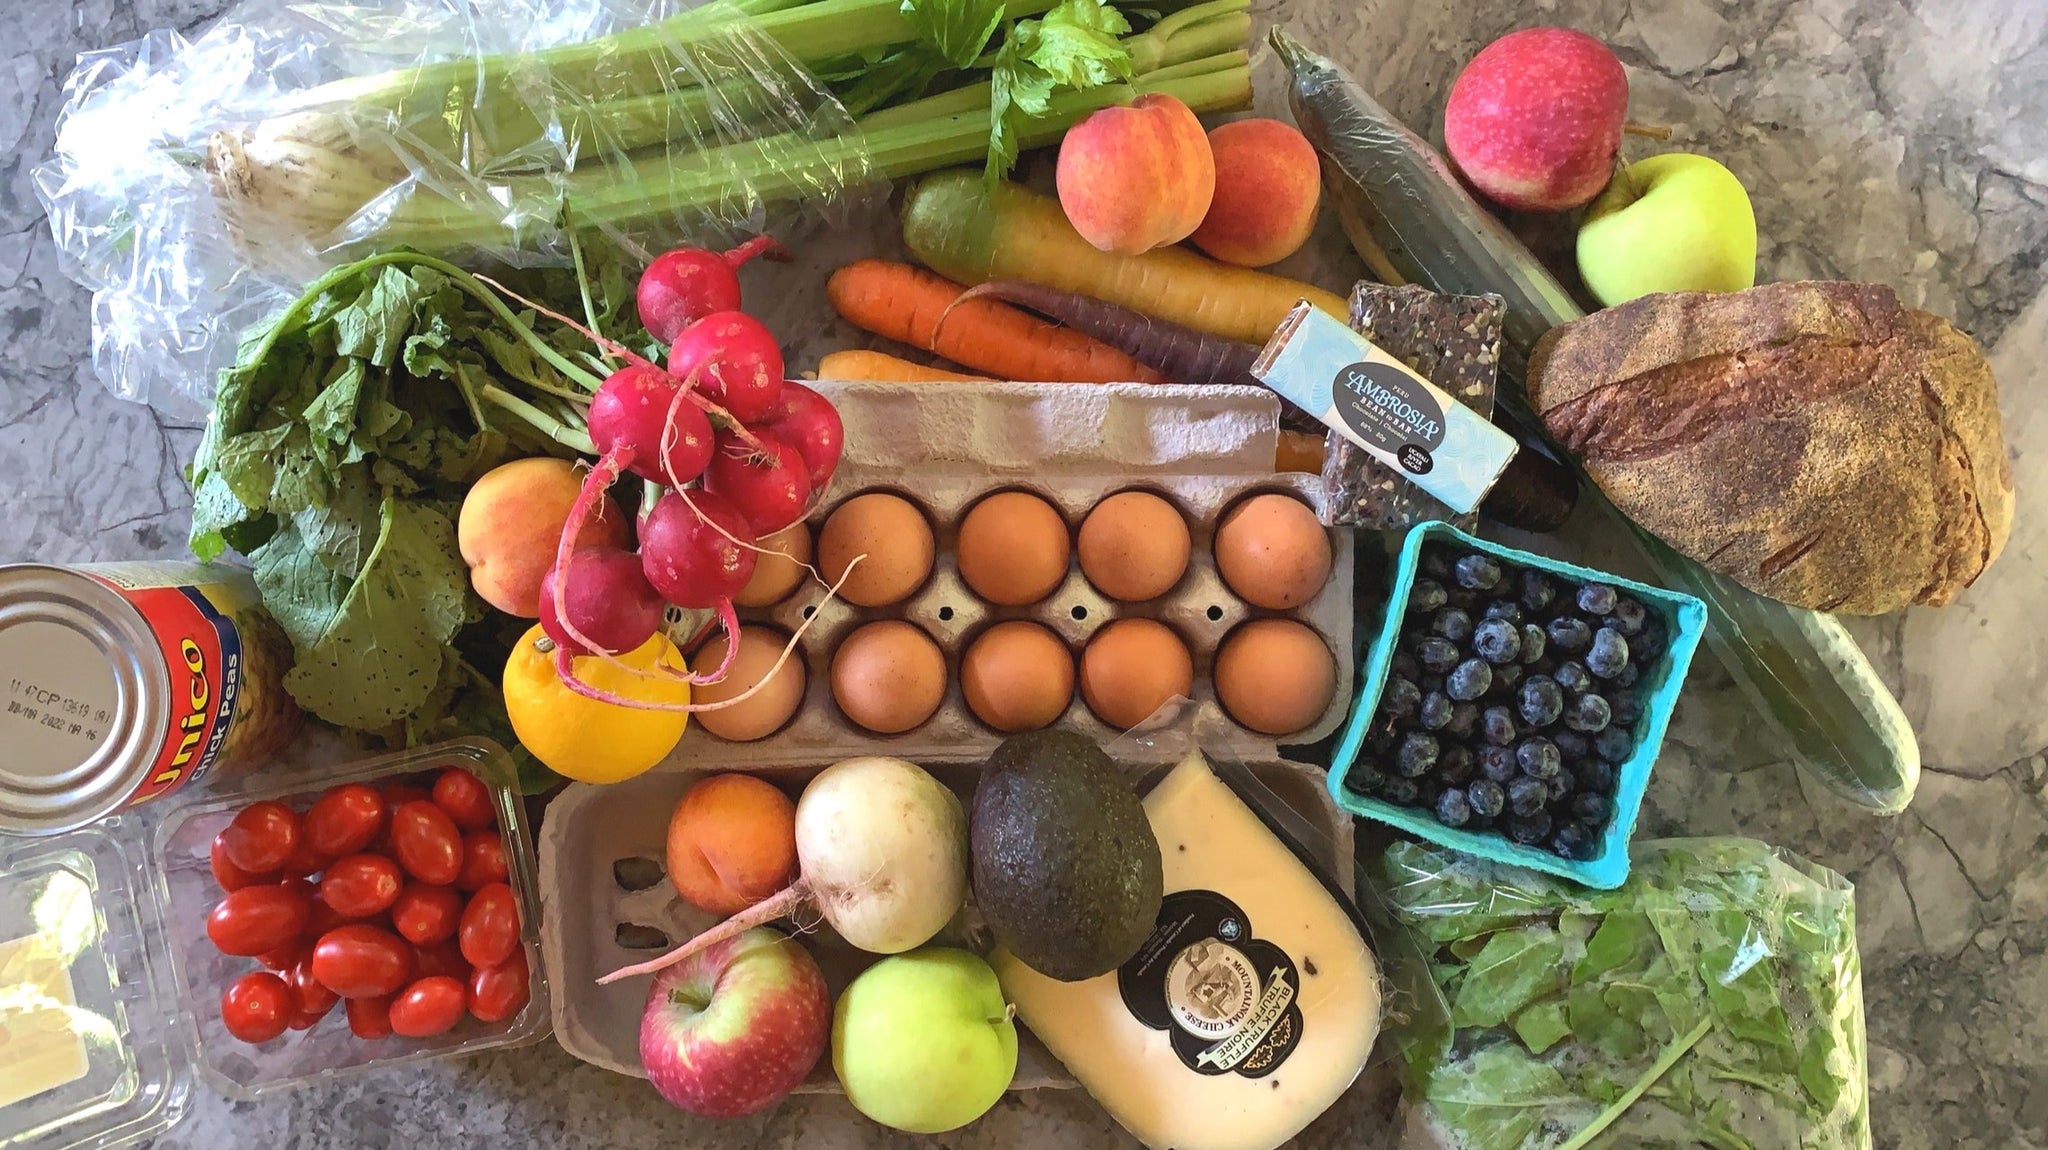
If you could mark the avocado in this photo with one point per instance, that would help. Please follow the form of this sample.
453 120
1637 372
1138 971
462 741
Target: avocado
1066 868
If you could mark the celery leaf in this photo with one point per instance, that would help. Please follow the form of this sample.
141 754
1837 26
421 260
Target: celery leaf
958 29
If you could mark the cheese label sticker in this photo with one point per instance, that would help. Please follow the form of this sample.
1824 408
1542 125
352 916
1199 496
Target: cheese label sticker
1226 998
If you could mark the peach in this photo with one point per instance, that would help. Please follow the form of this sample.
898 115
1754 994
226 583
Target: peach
1136 177
511 521
731 843
1268 183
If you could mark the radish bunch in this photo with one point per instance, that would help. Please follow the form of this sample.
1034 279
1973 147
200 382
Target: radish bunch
737 451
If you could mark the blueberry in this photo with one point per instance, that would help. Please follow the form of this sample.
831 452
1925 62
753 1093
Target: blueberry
1625 706
1455 764
1403 664
1506 679
1538 591
1431 683
1427 789
1627 616
1609 653
1416 755
1435 712
1383 736
1527 796
1589 713
1486 798
1472 679
1597 599
1626 677
1411 637
1463 599
1615 744
1560 786
1572 745
1436 563
1596 776
1401 792
1540 701
1478 572
1573 841
1452 624
1569 634
1506 610
1498 764
1438 655
1365 779
1592 809
1464 720
1538 758
1573 677
1401 698
1425 595
1648 643
1497 724
1534 642
1452 809
1497 641
1529 829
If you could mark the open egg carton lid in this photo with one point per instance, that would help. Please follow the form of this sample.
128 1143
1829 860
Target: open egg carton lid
945 446
602 886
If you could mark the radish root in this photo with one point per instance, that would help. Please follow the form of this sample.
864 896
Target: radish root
781 904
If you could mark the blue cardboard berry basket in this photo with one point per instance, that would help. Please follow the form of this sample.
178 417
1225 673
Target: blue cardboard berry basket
1685 619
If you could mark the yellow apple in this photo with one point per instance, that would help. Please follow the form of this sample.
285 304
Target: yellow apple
1676 222
923 1041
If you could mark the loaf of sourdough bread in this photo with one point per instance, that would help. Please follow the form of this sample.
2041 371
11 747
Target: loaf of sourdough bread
1819 443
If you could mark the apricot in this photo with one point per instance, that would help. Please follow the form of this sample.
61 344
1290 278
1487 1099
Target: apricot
1136 177
511 522
731 843
1268 183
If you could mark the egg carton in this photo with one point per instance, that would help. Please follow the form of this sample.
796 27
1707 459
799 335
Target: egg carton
597 841
945 447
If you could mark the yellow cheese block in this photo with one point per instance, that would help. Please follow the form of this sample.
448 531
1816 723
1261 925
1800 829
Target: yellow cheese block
40 1048
1249 1010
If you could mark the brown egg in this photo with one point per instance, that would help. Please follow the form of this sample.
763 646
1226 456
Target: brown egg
766 710
1012 548
894 536
1133 667
1017 676
1271 551
1275 676
778 567
888 676
1134 546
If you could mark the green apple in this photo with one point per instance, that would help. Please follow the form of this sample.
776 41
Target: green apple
923 1041
1676 222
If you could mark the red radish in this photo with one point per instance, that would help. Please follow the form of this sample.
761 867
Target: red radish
608 598
685 285
693 549
735 358
771 486
808 422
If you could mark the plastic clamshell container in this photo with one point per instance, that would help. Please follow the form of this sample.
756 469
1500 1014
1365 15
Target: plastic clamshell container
590 831
329 1051
1685 618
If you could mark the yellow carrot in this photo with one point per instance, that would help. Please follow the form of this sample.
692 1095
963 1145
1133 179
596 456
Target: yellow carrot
880 366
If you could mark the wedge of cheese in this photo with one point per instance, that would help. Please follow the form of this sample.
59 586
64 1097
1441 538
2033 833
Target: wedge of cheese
40 1048
1249 1010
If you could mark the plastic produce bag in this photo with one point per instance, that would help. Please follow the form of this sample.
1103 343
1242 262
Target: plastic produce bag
198 184
1713 1000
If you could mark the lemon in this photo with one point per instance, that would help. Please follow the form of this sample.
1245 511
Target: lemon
586 739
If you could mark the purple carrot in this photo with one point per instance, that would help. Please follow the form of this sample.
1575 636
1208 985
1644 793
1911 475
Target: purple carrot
1181 354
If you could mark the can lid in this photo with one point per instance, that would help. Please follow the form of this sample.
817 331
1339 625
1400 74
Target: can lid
88 1053
84 706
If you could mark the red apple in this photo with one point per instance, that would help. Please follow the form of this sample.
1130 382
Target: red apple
735 1027
1534 121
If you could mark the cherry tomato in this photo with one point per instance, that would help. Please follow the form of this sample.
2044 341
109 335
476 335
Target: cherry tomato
305 860
304 1021
323 919
256 919
261 837
442 958
426 914
466 799
426 843
345 820
287 956
361 961
483 860
397 795
490 926
361 886
496 993
370 1017
308 995
256 1007
226 873
430 1006
300 885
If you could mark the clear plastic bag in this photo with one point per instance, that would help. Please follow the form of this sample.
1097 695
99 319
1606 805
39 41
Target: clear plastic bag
1715 999
198 184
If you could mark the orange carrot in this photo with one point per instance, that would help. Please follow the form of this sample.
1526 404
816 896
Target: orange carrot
875 365
907 304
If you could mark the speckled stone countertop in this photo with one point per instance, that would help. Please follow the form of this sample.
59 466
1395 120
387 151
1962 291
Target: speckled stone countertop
1903 141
